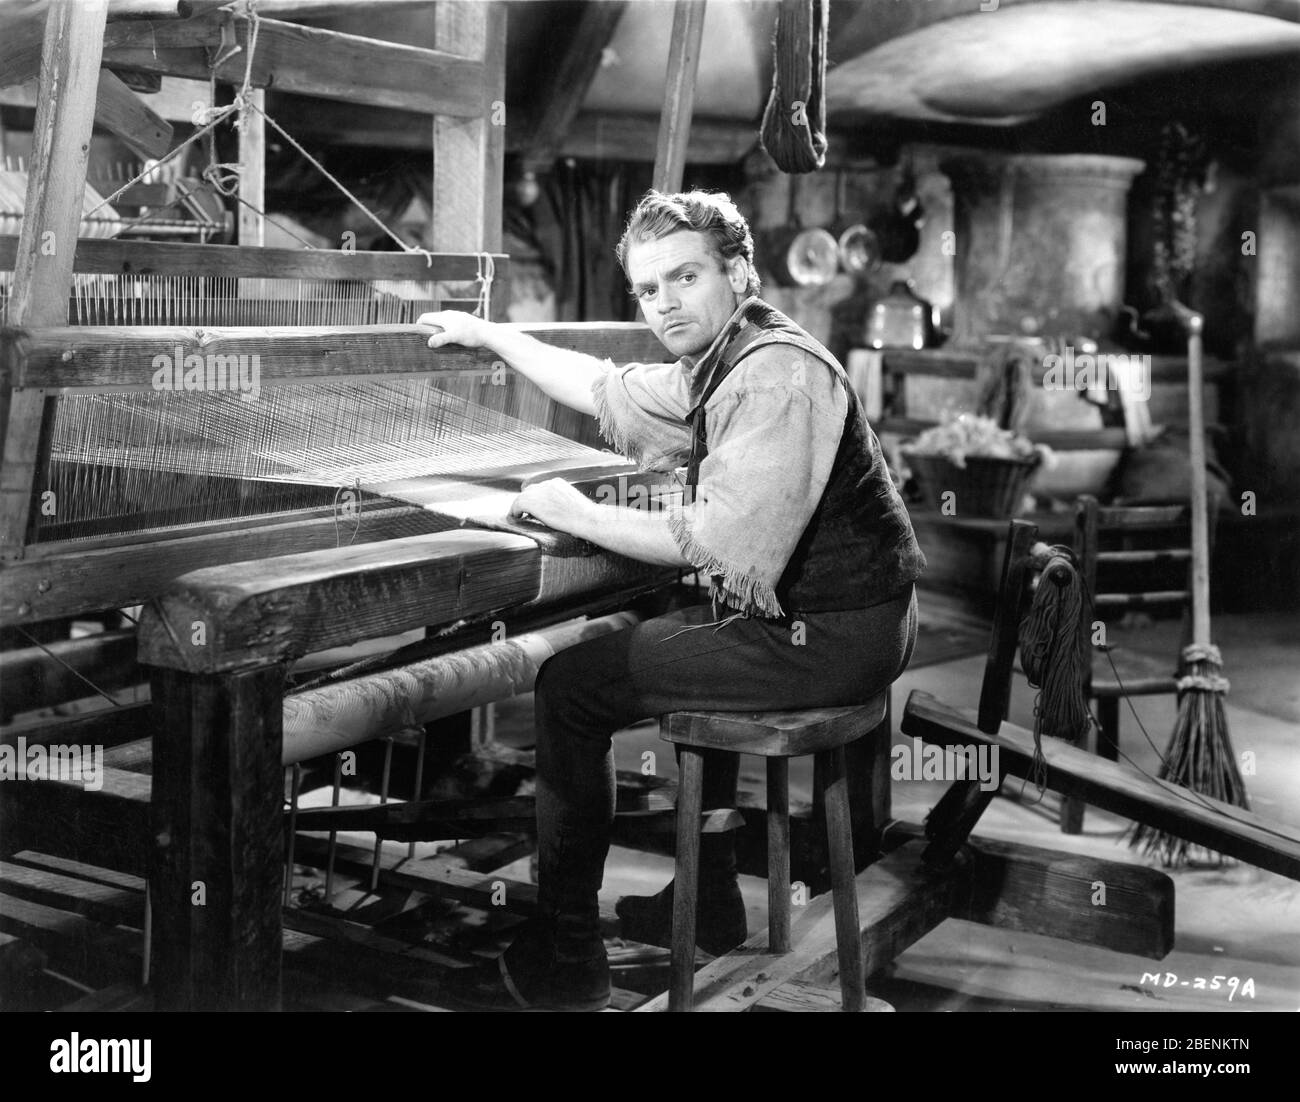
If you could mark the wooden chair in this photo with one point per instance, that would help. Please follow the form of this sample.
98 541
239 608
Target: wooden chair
1131 558
778 737
1068 770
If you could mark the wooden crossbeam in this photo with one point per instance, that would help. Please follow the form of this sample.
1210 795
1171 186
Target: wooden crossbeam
307 60
118 357
119 110
566 83
899 902
247 614
168 258
53 582
1117 788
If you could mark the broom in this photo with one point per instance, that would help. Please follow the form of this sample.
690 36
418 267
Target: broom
1200 755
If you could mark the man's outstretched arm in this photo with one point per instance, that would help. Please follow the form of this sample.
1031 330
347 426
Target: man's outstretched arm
564 375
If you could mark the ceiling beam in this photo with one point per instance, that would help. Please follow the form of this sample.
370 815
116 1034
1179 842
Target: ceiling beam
308 60
566 88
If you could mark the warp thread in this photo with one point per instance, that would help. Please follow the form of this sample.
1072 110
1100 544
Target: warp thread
794 121
1053 655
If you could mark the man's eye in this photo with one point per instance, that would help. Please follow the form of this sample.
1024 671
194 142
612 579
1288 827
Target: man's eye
648 292
686 277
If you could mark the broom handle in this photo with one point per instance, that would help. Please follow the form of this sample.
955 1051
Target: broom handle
1194 323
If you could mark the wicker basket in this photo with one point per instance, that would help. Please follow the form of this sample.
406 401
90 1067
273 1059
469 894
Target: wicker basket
985 487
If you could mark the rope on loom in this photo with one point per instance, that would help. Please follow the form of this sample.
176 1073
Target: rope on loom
1053 656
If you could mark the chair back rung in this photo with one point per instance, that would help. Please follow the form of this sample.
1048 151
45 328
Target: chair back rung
1138 558
1142 600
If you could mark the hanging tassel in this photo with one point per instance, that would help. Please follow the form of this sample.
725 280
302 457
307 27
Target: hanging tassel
1052 654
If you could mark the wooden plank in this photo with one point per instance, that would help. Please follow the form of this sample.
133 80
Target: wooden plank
99 902
117 357
109 826
218 786
119 110
32 677
679 94
1117 788
89 951
800 996
179 258
619 136
899 901
65 108
105 727
565 85
307 60
274 609
65 583
1043 891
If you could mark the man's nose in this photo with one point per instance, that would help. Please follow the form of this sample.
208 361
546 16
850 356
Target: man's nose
667 298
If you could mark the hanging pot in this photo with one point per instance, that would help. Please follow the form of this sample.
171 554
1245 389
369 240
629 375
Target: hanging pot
801 257
858 248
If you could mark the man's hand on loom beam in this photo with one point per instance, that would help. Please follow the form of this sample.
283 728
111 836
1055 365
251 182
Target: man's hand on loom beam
636 533
564 375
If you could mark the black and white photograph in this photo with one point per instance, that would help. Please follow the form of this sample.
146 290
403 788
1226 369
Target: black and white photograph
651 506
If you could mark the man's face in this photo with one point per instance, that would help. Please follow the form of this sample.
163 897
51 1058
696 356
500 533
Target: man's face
686 292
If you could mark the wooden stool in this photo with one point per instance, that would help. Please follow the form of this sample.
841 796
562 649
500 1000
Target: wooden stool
777 736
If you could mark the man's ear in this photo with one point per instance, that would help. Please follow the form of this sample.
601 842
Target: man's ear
738 273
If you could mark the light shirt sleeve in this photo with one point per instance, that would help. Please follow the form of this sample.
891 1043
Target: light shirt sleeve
773 429
641 410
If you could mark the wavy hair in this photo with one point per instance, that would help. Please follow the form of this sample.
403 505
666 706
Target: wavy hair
711 213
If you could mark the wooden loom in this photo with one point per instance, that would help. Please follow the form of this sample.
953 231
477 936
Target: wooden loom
85 527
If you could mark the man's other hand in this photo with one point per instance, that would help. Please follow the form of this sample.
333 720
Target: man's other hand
556 504
455 327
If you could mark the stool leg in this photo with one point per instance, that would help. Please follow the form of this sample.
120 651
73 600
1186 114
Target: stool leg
839 838
778 855
690 803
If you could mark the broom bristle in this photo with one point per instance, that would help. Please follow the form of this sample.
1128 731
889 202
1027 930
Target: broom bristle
1200 755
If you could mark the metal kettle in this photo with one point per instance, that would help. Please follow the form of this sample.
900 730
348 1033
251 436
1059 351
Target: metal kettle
902 319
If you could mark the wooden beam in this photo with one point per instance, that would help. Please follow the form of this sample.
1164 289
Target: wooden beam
216 869
41 677
257 612
679 94
1122 907
468 150
252 173
169 258
119 110
566 86
109 827
1117 788
608 136
899 902
308 60
114 357
46 586
56 183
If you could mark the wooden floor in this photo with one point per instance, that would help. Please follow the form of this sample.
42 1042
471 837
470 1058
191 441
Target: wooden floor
71 936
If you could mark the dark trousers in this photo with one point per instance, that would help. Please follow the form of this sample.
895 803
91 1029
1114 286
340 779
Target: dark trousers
679 662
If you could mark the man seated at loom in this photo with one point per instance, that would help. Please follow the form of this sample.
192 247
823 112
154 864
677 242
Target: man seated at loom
788 507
